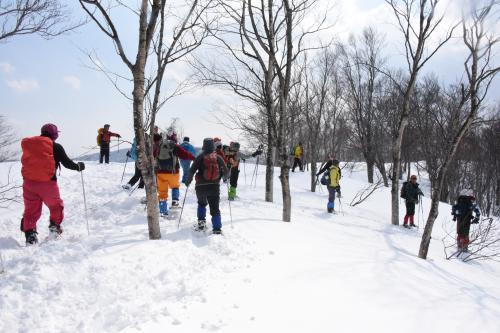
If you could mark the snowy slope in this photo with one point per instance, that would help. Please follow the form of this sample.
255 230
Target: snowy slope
350 272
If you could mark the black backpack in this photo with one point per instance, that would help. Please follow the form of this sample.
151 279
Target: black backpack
167 160
403 190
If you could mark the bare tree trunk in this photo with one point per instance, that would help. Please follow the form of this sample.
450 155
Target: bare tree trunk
287 198
370 164
270 170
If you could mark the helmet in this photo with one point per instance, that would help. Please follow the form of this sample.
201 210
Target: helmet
50 130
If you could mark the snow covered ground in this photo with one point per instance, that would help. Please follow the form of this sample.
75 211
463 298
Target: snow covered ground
350 272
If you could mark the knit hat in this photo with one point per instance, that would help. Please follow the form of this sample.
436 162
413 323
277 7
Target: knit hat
50 130
208 145
186 138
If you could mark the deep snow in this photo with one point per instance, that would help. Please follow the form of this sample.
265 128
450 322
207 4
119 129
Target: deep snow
350 272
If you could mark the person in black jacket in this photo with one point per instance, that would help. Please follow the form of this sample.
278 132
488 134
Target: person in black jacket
209 168
411 193
462 213
41 158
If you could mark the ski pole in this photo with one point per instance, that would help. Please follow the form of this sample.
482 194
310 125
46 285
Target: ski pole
340 205
230 211
245 171
124 167
85 203
2 268
134 188
182 208
257 170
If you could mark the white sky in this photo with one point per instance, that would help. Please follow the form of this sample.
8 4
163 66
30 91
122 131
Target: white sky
49 81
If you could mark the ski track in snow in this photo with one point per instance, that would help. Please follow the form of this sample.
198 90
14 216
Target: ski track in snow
347 272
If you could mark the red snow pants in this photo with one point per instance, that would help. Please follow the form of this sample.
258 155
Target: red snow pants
36 193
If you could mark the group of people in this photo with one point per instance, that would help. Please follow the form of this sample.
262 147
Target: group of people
215 162
42 157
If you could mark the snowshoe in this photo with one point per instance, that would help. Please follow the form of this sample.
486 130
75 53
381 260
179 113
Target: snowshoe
31 237
217 232
55 231
330 210
412 225
200 226
175 204
405 226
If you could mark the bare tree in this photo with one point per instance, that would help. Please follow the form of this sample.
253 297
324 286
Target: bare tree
418 22
362 56
46 18
480 73
7 138
148 16
263 41
147 96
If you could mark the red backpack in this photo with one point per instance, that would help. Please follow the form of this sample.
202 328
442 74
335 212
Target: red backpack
38 162
211 167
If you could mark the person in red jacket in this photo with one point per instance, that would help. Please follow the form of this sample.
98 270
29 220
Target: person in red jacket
103 140
167 171
41 158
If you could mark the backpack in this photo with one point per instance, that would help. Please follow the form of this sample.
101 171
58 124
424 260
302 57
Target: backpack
99 136
38 162
463 206
403 190
325 179
211 170
167 160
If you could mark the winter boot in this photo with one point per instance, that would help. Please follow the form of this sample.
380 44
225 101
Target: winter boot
232 193
163 208
126 186
31 237
330 207
55 229
202 225
175 204
217 232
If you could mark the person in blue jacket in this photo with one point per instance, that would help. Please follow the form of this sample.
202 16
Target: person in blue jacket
186 164
132 154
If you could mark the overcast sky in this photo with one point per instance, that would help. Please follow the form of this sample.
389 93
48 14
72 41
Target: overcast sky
49 81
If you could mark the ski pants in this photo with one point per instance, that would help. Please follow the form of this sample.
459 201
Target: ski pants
165 181
331 196
410 207
185 164
104 154
34 194
209 195
233 176
297 162
137 177
463 229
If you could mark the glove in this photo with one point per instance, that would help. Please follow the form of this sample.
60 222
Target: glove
188 182
81 166
454 218
118 136
475 220
128 154
257 153
243 160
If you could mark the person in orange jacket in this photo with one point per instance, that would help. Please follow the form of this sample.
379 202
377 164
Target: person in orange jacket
103 140
40 160
168 171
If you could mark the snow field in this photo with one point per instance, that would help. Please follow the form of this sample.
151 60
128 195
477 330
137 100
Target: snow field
348 272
